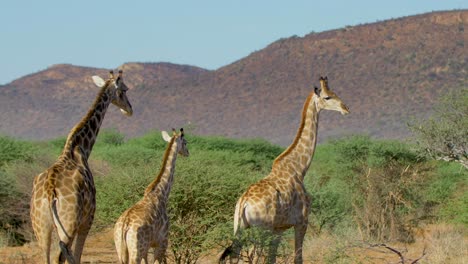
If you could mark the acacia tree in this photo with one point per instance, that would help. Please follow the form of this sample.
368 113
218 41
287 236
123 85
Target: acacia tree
444 135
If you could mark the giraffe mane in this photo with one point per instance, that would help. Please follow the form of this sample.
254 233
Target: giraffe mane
154 183
88 115
299 131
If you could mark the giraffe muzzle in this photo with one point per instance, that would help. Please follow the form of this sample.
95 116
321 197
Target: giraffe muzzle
127 113
344 109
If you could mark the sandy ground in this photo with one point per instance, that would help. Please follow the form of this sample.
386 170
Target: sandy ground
433 245
99 248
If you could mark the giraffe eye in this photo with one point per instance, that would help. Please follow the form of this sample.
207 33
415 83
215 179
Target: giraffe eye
327 98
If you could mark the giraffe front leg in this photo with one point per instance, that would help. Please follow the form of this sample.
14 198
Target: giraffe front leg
299 233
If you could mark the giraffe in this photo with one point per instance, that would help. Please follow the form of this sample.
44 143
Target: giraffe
146 224
64 196
279 201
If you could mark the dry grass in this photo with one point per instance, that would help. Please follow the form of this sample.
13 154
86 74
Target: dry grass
434 244
447 244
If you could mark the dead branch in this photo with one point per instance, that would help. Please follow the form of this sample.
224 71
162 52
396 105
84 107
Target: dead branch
400 255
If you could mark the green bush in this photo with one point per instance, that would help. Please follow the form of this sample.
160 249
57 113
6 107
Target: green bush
110 137
446 192
376 181
206 188
455 209
11 150
14 203
446 181
350 180
259 246
58 143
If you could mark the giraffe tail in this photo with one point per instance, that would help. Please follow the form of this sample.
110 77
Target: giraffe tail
234 248
239 216
64 250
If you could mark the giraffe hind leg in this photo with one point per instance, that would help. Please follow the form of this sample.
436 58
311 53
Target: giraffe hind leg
44 241
299 233
65 253
232 254
160 253
64 238
78 245
273 247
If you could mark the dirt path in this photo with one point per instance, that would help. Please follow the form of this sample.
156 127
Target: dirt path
99 248
436 245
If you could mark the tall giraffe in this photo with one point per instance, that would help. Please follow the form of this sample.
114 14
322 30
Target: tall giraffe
146 224
64 196
279 201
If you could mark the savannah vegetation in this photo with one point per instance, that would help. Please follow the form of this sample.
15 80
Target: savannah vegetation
362 189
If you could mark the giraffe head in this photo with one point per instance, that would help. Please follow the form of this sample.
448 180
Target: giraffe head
179 139
327 99
118 91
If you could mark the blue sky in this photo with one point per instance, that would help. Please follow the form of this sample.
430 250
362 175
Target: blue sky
205 33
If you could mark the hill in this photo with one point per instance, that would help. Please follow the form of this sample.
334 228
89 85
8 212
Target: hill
386 72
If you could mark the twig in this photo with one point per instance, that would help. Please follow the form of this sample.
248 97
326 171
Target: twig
391 249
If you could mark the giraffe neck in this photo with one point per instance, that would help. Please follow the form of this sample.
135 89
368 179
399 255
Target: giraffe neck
297 157
158 190
82 137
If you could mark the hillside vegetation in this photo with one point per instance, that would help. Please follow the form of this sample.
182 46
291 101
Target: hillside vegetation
381 189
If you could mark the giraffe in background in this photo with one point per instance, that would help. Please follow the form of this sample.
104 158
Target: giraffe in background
146 223
64 195
279 201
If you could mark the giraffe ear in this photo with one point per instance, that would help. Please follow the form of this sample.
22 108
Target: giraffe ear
98 81
317 90
166 136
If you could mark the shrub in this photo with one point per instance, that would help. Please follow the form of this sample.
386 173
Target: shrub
203 198
260 246
446 192
110 137
16 177
11 150
444 135
384 177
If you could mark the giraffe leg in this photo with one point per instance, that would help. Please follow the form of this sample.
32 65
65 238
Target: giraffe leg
160 253
137 249
144 255
232 254
78 245
42 224
299 233
44 241
273 247
65 234
133 257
